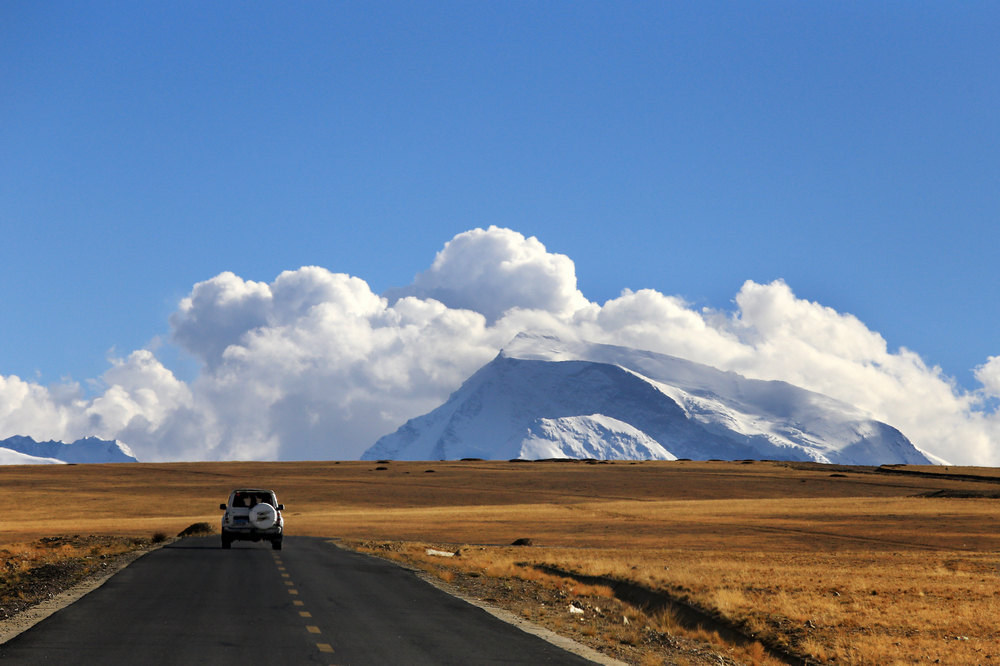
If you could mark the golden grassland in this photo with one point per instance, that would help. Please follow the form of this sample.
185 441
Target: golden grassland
849 565
20 558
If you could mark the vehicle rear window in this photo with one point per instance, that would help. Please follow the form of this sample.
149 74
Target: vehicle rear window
252 499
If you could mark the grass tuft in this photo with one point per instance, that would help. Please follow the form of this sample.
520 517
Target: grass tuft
197 529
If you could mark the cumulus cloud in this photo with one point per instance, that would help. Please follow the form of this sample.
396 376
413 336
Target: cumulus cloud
43 412
314 365
989 375
495 270
775 335
217 313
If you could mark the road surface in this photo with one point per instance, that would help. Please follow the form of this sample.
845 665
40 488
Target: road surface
311 603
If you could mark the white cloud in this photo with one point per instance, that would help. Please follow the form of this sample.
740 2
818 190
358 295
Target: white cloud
988 375
44 413
316 365
217 313
493 270
332 367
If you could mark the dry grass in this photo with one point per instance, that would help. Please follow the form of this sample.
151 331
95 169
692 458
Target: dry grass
21 557
32 571
853 568
857 607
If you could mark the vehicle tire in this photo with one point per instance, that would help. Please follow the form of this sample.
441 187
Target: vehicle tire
276 544
226 542
263 516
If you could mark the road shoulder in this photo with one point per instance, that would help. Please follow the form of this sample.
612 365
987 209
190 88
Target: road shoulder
20 622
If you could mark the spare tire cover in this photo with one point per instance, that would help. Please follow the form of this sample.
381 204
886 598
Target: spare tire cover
263 516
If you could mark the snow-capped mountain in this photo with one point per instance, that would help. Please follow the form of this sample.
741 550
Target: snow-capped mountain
26 451
544 397
11 457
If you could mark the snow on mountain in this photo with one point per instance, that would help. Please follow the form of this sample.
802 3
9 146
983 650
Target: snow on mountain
11 457
86 450
545 397
592 436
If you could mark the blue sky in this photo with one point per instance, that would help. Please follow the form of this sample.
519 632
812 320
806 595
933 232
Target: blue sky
849 149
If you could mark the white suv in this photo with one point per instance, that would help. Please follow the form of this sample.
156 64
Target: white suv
251 515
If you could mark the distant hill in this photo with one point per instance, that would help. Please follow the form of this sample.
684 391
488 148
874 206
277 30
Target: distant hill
20 450
543 397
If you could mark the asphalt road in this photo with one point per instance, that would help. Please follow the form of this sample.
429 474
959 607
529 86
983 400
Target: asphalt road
311 603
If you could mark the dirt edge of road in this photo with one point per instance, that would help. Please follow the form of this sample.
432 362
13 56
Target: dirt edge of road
558 640
20 622
563 642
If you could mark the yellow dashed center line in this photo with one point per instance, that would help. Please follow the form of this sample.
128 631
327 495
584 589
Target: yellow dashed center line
311 628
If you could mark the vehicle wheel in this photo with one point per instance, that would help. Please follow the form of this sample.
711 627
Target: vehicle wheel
276 544
226 543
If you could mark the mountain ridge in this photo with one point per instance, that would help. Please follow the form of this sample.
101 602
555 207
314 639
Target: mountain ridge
25 450
569 398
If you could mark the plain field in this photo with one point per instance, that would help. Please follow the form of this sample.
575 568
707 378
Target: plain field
678 504
857 565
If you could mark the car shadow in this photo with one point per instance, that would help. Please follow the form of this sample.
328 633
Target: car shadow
214 542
